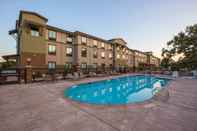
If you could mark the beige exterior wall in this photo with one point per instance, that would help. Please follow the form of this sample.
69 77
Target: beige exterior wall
121 53
36 48
33 18
131 59
140 58
28 42
121 58
90 60
31 46
154 61
61 45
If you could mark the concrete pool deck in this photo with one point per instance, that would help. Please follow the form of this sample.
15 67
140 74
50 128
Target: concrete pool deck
42 107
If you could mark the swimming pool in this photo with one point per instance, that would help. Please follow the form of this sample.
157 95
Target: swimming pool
123 90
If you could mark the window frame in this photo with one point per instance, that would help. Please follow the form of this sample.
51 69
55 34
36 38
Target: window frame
34 31
85 49
69 54
110 56
118 56
68 65
63 38
110 47
51 52
53 67
95 43
51 37
102 45
69 39
103 56
123 56
85 67
95 56
82 40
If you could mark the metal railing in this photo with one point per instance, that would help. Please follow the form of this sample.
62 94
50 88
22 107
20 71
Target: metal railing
12 75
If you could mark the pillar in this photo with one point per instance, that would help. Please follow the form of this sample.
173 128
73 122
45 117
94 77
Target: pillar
28 74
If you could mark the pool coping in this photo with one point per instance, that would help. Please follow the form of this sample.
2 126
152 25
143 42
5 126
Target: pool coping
152 102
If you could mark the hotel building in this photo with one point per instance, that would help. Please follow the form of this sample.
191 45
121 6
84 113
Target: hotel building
140 58
152 60
40 44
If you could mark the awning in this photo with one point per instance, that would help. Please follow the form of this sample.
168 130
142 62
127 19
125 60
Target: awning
10 57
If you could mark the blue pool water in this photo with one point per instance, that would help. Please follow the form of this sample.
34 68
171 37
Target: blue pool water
124 90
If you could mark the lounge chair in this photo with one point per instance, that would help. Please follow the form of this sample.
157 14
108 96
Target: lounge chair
81 75
69 76
74 76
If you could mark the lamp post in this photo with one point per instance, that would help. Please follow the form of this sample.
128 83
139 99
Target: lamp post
28 61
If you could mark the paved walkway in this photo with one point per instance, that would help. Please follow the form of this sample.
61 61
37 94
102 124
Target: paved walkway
42 107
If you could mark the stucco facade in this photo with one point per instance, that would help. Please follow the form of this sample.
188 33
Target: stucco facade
40 44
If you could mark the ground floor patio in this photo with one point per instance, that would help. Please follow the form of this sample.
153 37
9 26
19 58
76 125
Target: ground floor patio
42 107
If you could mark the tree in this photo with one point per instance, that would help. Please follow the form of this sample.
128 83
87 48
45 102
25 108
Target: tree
166 62
184 43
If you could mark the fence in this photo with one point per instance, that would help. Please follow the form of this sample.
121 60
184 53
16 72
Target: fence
12 75
35 74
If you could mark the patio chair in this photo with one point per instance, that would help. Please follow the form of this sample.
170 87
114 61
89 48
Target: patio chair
73 76
69 76
46 77
81 75
59 76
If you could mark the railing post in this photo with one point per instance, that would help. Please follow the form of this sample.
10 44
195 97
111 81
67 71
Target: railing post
18 72
28 74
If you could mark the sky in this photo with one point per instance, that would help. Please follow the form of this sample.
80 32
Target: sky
146 25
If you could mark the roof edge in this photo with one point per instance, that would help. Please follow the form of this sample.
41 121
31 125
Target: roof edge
33 13
91 36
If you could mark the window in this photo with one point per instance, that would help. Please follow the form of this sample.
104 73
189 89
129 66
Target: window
94 65
102 45
83 40
95 43
84 52
34 31
68 65
127 51
110 55
118 56
69 39
95 54
51 65
83 65
103 55
69 51
51 49
123 56
110 47
63 38
52 35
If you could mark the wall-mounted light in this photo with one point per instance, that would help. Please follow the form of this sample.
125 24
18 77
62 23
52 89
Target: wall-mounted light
28 61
